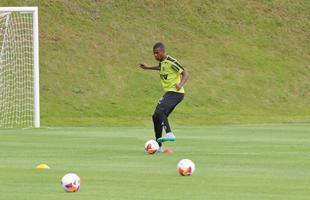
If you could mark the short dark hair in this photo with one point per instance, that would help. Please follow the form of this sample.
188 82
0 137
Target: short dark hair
159 45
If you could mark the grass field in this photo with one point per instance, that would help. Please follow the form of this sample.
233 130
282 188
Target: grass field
234 162
248 62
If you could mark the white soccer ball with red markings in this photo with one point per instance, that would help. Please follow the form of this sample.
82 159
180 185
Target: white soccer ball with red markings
186 167
151 147
71 182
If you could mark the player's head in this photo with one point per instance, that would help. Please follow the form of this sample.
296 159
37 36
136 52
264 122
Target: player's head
159 51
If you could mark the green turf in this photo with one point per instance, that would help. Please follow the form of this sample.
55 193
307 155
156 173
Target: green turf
234 162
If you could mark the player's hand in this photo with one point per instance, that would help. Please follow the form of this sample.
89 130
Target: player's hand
144 66
178 87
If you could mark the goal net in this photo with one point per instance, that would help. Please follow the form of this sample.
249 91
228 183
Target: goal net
19 73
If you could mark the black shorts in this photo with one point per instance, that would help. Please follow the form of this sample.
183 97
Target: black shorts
169 101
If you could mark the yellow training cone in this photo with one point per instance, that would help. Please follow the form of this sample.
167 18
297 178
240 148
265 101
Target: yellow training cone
43 166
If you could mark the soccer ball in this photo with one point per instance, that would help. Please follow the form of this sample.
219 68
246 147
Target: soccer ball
151 147
186 167
71 182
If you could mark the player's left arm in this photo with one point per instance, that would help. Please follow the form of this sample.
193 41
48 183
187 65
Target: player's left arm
184 78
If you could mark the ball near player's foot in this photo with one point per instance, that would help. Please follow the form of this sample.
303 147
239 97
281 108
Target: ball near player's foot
151 147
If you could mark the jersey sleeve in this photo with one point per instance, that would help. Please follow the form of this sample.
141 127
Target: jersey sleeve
177 67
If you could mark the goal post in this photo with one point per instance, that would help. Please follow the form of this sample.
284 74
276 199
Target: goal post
19 67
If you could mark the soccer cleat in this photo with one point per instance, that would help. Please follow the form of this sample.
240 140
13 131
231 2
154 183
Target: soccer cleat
169 137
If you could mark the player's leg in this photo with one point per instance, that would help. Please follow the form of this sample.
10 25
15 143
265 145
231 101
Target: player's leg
164 108
160 121
159 117
166 124
157 127
173 107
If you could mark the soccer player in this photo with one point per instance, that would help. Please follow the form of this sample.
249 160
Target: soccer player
173 77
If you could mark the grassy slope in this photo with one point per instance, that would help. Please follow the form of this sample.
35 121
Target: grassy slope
248 60
269 162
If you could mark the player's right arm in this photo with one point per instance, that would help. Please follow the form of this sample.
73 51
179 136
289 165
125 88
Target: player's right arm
149 67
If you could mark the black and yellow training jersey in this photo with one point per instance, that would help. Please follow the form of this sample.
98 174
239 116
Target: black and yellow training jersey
170 74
